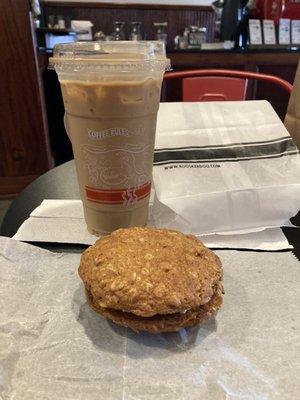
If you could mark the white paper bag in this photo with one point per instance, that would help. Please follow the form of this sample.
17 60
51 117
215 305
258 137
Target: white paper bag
224 166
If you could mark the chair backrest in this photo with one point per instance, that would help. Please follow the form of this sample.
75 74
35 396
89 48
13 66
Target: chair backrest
191 94
217 88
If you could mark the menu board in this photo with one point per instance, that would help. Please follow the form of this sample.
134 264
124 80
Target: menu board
269 31
284 34
255 32
295 31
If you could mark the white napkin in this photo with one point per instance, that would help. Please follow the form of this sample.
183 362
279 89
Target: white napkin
62 221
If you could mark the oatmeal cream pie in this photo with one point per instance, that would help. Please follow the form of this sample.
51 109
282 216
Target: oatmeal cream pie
154 280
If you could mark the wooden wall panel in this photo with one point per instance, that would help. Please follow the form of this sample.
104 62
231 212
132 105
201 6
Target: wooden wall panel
103 15
23 139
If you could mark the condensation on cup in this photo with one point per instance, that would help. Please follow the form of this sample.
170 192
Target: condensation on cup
111 93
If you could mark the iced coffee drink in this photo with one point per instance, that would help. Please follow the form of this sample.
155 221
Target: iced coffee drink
110 116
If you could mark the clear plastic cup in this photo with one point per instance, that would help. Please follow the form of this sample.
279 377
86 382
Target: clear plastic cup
111 93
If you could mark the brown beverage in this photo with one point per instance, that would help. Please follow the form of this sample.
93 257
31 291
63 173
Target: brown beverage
111 120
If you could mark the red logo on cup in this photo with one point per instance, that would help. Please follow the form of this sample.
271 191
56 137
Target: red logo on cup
118 196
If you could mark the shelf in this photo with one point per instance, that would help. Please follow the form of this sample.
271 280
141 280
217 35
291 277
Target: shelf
57 31
258 49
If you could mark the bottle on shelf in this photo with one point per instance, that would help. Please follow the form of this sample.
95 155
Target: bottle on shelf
135 33
61 22
161 34
118 33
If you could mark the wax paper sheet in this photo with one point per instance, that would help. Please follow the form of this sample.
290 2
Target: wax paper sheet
53 346
62 221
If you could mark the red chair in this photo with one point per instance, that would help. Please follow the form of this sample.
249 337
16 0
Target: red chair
220 84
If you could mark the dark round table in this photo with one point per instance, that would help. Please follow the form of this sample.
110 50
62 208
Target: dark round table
58 183
61 183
